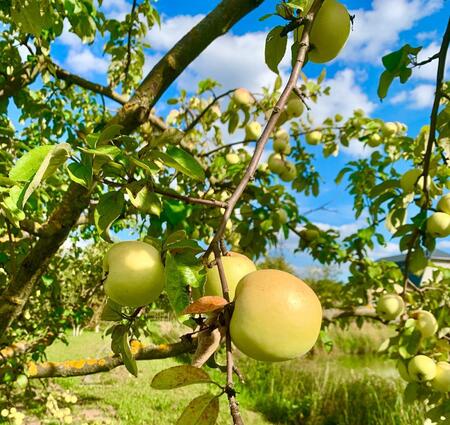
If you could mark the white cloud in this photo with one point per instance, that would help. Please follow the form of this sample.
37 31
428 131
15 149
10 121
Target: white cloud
376 31
426 35
420 97
388 250
84 62
116 9
428 71
346 96
357 149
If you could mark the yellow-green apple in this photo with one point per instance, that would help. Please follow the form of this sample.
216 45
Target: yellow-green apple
389 129
281 142
243 97
236 266
374 140
276 316
294 106
314 137
426 323
275 163
289 172
390 306
444 204
409 180
403 371
282 215
421 368
309 235
438 225
232 158
253 130
441 381
133 273
330 32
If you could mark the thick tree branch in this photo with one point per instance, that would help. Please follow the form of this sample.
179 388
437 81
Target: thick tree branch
133 113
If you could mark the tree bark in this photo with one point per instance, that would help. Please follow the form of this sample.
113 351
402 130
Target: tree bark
133 113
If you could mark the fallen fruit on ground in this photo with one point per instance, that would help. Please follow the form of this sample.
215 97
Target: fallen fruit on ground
422 368
276 316
133 273
236 266
390 306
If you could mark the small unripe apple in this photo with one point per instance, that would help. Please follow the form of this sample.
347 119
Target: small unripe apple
282 215
253 130
330 32
276 163
289 173
374 140
390 306
309 235
232 158
441 381
282 118
426 323
409 179
444 204
21 381
422 368
438 225
389 129
294 106
236 266
133 273
281 142
243 97
314 137
403 371
276 316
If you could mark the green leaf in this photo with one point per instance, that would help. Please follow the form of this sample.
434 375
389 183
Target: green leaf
109 133
26 167
111 311
151 168
120 346
80 173
106 151
116 337
186 245
385 82
410 394
202 410
182 270
32 16
180 160
176 236
109 207
10 206
7 182
275 48
53 160
146 201
179 376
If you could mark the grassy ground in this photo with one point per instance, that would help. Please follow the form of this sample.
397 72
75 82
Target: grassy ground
350 386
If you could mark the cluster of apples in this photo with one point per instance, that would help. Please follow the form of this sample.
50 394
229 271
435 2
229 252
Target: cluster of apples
438 224
388 130
277 161
420 368
276 316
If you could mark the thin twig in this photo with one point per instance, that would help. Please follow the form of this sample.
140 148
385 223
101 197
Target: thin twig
430 59
130 29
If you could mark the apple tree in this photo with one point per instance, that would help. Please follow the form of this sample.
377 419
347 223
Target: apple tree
204 210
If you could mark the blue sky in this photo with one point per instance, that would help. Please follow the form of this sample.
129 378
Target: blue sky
237 60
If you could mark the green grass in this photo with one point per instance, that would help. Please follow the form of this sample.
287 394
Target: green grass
353 385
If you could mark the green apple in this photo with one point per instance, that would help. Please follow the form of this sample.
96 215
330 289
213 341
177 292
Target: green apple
253 130
426 323
309 235
232 158
438 225
403 371
281 142
444 204
236 266
441 381
282 215
374 140
21 381
422 368
282 118
133 273
289 173
390 306
330 32
389 129
314 137
242 97
409 180
294 106
276 163
276 316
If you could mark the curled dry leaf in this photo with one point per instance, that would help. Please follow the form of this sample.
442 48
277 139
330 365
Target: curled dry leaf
206 304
